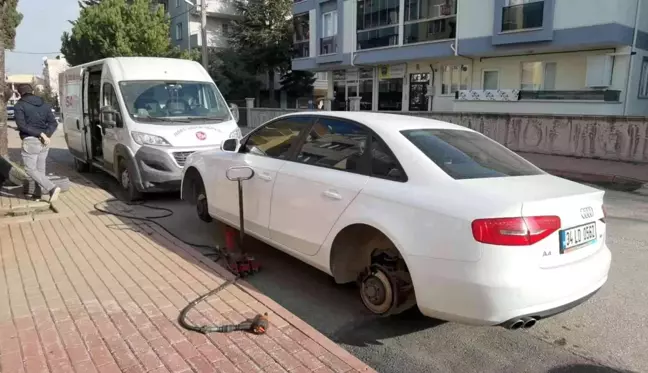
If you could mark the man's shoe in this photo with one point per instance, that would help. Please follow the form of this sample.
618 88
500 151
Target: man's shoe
54 194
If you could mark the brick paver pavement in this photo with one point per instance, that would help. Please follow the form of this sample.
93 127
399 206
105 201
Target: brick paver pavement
87 292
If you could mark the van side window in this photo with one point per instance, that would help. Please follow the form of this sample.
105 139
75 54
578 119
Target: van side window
110 97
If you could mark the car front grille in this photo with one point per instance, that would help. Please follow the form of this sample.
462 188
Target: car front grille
181 157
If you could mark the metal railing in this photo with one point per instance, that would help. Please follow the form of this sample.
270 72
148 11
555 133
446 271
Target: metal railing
328 45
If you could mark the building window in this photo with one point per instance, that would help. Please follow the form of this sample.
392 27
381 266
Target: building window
538 76
178 31
643 80
178 3
302 35
490 79
377 23
429 20
328 42
454 78
522 14
225 29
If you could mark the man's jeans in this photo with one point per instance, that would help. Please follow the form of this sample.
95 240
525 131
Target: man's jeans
34 156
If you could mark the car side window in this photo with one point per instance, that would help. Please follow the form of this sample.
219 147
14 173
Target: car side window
336 144
383 162
277 138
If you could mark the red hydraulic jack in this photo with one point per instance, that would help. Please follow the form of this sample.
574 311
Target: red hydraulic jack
240 263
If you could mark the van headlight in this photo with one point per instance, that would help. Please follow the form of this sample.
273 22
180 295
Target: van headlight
236 134
147 139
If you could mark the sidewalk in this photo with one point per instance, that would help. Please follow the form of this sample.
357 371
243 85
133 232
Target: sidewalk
87 292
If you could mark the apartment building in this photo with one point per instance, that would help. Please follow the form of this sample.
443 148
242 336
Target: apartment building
185 22
185 33
511 56
52 67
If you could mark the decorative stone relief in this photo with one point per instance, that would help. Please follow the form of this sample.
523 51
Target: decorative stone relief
609 138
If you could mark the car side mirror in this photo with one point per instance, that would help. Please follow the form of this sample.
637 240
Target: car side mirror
230 145
235 112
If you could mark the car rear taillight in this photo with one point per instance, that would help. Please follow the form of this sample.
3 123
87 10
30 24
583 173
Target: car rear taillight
514 231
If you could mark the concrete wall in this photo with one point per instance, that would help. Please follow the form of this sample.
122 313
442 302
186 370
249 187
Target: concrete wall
594 145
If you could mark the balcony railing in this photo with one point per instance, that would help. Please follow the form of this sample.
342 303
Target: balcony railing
608 95
328 45
302 49
523 16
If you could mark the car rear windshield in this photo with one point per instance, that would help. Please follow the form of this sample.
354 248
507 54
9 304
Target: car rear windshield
469 155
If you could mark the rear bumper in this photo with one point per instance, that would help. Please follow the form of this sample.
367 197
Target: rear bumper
472 294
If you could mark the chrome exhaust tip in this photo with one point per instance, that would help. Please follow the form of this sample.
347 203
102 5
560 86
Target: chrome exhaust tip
514 324
528 322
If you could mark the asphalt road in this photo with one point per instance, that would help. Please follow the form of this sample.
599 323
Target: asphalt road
609 333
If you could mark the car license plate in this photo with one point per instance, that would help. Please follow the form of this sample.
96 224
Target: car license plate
577 237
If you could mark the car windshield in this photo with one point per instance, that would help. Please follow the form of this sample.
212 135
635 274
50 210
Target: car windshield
174 101
469 155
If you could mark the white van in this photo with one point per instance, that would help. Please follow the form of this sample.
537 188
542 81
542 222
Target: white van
138 118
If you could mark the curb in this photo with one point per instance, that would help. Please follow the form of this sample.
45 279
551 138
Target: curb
264 300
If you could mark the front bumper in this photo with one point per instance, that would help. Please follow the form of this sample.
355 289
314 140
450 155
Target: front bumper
160 170
452 291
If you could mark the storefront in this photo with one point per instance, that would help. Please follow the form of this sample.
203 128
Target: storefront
379 88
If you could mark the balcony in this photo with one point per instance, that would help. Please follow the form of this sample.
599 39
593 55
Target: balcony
328 45
523 17
302 49
217 8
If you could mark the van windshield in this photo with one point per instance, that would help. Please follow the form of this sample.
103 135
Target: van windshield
173 101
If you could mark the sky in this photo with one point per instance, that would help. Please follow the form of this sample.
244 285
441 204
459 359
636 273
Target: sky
39 33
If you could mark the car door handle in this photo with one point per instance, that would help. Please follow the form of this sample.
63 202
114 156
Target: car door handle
332 195
78 124
265 176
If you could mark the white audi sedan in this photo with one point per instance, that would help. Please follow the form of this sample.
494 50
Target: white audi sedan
417 211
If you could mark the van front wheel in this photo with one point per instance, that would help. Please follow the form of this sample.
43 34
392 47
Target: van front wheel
127 182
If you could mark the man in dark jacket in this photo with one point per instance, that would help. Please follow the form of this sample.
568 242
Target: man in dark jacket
36 124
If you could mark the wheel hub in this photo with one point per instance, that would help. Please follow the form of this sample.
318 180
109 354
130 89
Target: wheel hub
377 293
374 290
125 179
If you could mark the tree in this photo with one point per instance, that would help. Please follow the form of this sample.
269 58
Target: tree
232 74
50 97
114 28
298 83
263 36
10 18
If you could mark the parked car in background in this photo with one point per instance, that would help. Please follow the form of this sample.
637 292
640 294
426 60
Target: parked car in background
416 211
11 114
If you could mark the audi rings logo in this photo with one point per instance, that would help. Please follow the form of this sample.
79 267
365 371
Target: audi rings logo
587 212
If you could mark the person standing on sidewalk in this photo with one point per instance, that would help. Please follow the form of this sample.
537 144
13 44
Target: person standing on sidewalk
36 124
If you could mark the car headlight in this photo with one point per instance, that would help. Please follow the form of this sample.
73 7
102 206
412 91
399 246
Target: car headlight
147 139
236 134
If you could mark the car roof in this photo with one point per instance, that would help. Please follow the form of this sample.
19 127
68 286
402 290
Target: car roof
383 122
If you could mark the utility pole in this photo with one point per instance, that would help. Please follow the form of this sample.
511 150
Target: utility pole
203 30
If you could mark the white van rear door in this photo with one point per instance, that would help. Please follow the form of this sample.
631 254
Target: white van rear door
72 111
